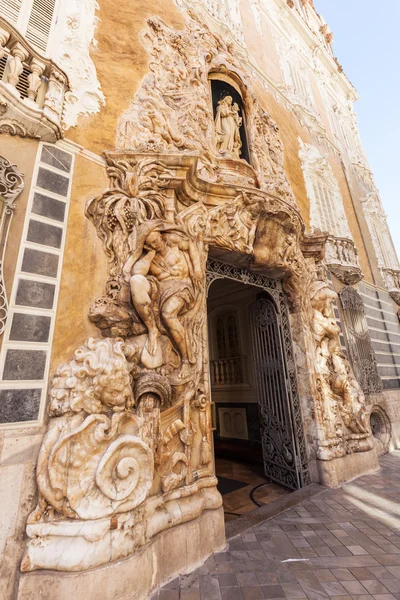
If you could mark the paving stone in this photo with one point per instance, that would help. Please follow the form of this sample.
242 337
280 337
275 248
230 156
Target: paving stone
272 591
325 547
252 592
227 580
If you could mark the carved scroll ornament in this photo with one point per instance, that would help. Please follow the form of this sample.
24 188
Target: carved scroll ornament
172 111
11 185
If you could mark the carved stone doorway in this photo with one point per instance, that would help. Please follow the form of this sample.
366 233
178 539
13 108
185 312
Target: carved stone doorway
253 381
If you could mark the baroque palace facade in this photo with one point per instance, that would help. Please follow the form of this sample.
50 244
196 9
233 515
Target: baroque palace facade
151 153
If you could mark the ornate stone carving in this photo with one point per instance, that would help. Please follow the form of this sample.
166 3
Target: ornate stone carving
342 402
172 111
342 259
77 38
392 282
381 429
128 449
227 127
11 185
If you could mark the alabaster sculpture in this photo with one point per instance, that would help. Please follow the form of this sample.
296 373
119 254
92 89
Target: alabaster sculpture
128 450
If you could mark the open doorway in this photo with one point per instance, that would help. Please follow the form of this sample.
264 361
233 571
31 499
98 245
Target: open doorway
254 438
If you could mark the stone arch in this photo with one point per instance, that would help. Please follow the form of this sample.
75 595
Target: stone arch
381 429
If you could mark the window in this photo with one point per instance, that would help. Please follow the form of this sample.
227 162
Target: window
301 83
326 203
227 336
380 234
326 206
227 365
359 344
32 18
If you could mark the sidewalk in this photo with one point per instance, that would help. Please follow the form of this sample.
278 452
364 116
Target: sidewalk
342 544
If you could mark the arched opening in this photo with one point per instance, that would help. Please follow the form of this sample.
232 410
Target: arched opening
255 444
381 429
229 115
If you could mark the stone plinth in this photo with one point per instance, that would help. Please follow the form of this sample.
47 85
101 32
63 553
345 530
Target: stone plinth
176 551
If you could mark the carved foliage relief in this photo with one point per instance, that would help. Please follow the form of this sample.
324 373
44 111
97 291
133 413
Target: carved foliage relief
129 439
172 111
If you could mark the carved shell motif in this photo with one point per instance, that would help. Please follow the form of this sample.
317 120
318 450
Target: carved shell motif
94 467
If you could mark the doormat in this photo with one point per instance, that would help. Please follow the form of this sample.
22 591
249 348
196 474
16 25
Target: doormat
226 485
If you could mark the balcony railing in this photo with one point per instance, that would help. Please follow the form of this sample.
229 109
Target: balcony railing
228 371
392 282
342 259
32 88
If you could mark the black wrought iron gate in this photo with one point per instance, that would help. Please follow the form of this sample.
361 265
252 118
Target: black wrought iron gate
282 433
278 434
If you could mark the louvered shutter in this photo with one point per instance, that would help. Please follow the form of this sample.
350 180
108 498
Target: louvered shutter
39 24
326 207
10 9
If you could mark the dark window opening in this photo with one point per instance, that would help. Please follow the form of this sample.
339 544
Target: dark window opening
221 89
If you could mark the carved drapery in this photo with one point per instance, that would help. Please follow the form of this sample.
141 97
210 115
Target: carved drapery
11 185
129 438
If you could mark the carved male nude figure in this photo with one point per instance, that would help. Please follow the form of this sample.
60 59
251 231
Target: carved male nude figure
167 265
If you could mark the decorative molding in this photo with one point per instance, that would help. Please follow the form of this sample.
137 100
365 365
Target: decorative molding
32 110
256 10
379 231
11 185
171 111
316 166
76 30
362 355
38 271
342 259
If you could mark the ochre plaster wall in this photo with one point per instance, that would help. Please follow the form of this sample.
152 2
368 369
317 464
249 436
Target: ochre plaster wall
85 266
121 63
290 130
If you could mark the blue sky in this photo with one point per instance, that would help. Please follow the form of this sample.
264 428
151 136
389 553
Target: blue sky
366 42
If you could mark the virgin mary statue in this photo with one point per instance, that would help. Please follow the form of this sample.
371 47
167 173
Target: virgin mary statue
227 127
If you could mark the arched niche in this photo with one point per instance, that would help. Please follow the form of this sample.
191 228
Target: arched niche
224 86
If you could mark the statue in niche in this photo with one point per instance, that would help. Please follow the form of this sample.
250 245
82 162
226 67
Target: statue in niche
227 127
339 386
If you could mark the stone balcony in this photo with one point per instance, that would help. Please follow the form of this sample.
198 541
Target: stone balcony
342 259
32 89
392 282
